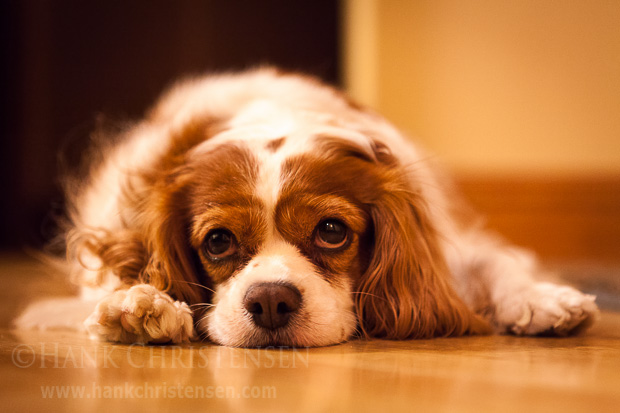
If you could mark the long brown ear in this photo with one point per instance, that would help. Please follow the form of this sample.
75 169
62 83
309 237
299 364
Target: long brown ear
173 265
155 249
406 291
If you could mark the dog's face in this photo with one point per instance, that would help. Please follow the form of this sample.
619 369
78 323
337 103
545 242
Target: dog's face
282 226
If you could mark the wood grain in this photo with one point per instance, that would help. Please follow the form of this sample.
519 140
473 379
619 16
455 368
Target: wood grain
471 374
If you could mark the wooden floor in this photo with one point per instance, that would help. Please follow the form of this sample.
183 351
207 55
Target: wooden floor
56 371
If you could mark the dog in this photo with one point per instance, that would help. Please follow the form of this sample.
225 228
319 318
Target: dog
265 208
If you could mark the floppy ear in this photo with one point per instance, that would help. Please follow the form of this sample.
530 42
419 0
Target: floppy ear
406 291
173 265
154 250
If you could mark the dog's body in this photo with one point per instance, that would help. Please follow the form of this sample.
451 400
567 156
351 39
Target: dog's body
266 209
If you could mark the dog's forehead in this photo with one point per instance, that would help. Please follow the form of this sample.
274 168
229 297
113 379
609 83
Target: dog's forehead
273 133
282 130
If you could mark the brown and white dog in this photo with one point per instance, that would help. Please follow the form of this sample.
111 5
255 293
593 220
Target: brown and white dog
264 208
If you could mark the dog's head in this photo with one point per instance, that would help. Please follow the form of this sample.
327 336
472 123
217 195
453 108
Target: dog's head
296 224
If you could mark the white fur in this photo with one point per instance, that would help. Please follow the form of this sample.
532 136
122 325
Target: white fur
260 106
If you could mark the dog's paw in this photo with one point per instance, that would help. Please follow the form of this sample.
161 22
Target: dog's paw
548 309
141 314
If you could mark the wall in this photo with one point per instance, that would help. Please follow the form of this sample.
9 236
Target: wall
507 87
520 99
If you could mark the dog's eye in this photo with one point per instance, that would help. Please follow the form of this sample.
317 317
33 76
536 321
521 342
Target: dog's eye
220 243
331 234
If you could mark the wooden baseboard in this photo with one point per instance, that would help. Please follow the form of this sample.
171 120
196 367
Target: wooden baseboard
559 218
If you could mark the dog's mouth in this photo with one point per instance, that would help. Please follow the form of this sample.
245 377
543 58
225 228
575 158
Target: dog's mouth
288 335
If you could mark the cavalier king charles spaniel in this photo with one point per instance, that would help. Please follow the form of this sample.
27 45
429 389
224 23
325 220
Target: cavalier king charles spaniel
267 209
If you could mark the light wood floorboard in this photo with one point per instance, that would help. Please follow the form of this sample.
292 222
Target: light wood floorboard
472 374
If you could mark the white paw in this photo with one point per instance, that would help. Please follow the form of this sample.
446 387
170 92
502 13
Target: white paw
141 314
548 309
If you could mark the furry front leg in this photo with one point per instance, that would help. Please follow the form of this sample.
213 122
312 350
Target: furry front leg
141 314
501 282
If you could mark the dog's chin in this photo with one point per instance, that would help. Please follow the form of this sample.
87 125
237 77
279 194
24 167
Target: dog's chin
279 338
276 339
252 336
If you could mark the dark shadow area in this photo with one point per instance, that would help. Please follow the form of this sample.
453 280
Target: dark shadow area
70 63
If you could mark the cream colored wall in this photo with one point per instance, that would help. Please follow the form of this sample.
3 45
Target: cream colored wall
494 86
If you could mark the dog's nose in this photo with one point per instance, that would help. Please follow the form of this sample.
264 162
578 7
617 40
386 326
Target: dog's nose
272 304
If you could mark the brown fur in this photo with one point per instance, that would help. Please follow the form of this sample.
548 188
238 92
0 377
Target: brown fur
296 217
275 144
123 252
406 291
222 196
